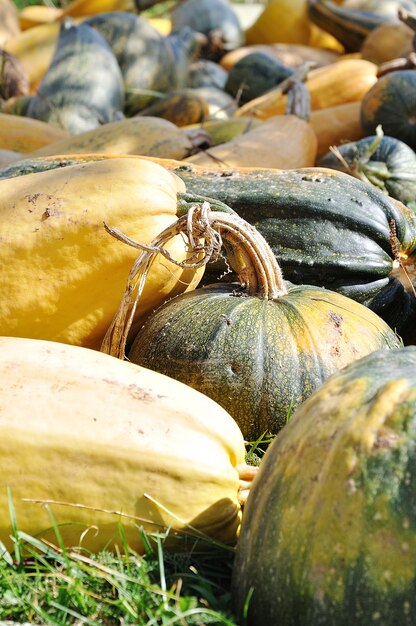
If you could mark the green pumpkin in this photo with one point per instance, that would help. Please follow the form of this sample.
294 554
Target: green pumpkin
328 536
261 347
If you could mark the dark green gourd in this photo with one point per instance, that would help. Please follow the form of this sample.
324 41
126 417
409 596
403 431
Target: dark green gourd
83 87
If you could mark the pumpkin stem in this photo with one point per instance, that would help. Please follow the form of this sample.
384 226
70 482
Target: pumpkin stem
248 254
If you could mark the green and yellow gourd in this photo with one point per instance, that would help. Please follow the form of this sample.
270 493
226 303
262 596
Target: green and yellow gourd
103 442
328 535
258 347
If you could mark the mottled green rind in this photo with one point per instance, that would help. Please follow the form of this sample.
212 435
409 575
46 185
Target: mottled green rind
326 228
329 531
257 358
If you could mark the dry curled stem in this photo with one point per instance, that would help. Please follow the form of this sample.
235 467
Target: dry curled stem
248 254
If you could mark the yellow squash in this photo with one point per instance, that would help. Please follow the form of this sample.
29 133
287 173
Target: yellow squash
62 275
283 142
23 134
146 136
105 441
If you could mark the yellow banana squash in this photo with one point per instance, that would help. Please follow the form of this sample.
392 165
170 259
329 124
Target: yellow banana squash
106 441
62 275
23 134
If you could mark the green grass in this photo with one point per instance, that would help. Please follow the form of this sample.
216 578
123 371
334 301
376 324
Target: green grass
51 584
42 583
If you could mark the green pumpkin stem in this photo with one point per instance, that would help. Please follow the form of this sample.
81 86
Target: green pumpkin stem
206 231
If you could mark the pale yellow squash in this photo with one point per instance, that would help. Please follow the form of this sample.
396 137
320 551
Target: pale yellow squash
24 134
282 142
105 441
62 275
146 136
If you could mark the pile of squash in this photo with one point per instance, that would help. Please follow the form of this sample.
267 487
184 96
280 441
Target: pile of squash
209 238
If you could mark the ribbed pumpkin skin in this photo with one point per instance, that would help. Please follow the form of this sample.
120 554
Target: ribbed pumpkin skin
329 535
326 228
391 102
257 358
101 433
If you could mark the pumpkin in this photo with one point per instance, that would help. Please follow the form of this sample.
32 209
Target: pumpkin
328 534
62 274
23 134
347 80
222 131
103 442
149 136
258 347
391 103
85 8
206 73
383 161
71 94
36 14
328 229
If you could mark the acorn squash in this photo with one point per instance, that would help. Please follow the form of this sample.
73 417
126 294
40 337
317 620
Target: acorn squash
328 535
102 442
